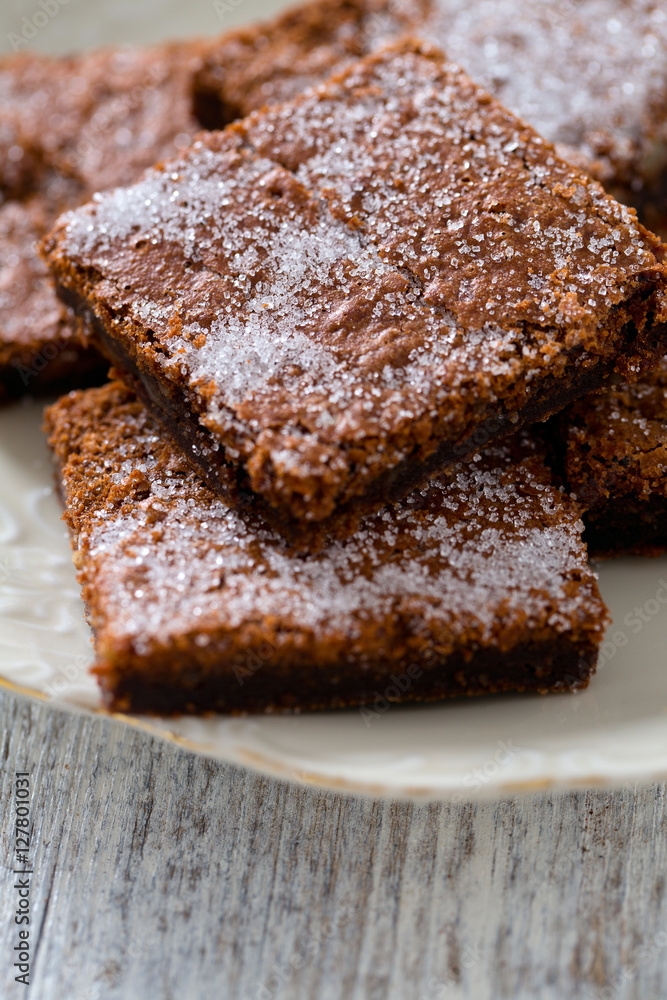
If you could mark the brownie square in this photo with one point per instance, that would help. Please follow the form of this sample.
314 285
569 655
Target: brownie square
593 82
615 453
343 295
473 585
590 77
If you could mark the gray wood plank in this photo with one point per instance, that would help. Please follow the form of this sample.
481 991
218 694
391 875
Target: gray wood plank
159 873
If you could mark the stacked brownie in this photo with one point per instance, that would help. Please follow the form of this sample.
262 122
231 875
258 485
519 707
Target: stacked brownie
592 78
313 482
590 75
326 321
336 297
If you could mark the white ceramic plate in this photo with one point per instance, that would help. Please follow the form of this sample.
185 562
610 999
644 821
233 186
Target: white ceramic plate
614 732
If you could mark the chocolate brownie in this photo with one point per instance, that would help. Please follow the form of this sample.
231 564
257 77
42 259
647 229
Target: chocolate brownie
615 451
39 348
474 585
100 117
589 75
69 127
273 61
342 295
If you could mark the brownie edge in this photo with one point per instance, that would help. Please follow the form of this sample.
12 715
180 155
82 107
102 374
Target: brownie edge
614 453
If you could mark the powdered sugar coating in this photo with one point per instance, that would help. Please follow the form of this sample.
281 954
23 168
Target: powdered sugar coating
588 74
492 557
483 209
447 262
591 74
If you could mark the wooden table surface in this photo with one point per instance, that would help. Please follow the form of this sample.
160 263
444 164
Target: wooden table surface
161 874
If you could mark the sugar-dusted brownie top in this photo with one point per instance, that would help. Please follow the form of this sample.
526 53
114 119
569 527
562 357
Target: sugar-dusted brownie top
588 74
272 61
179 583
345 293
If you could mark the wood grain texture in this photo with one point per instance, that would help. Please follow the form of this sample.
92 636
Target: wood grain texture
162 874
